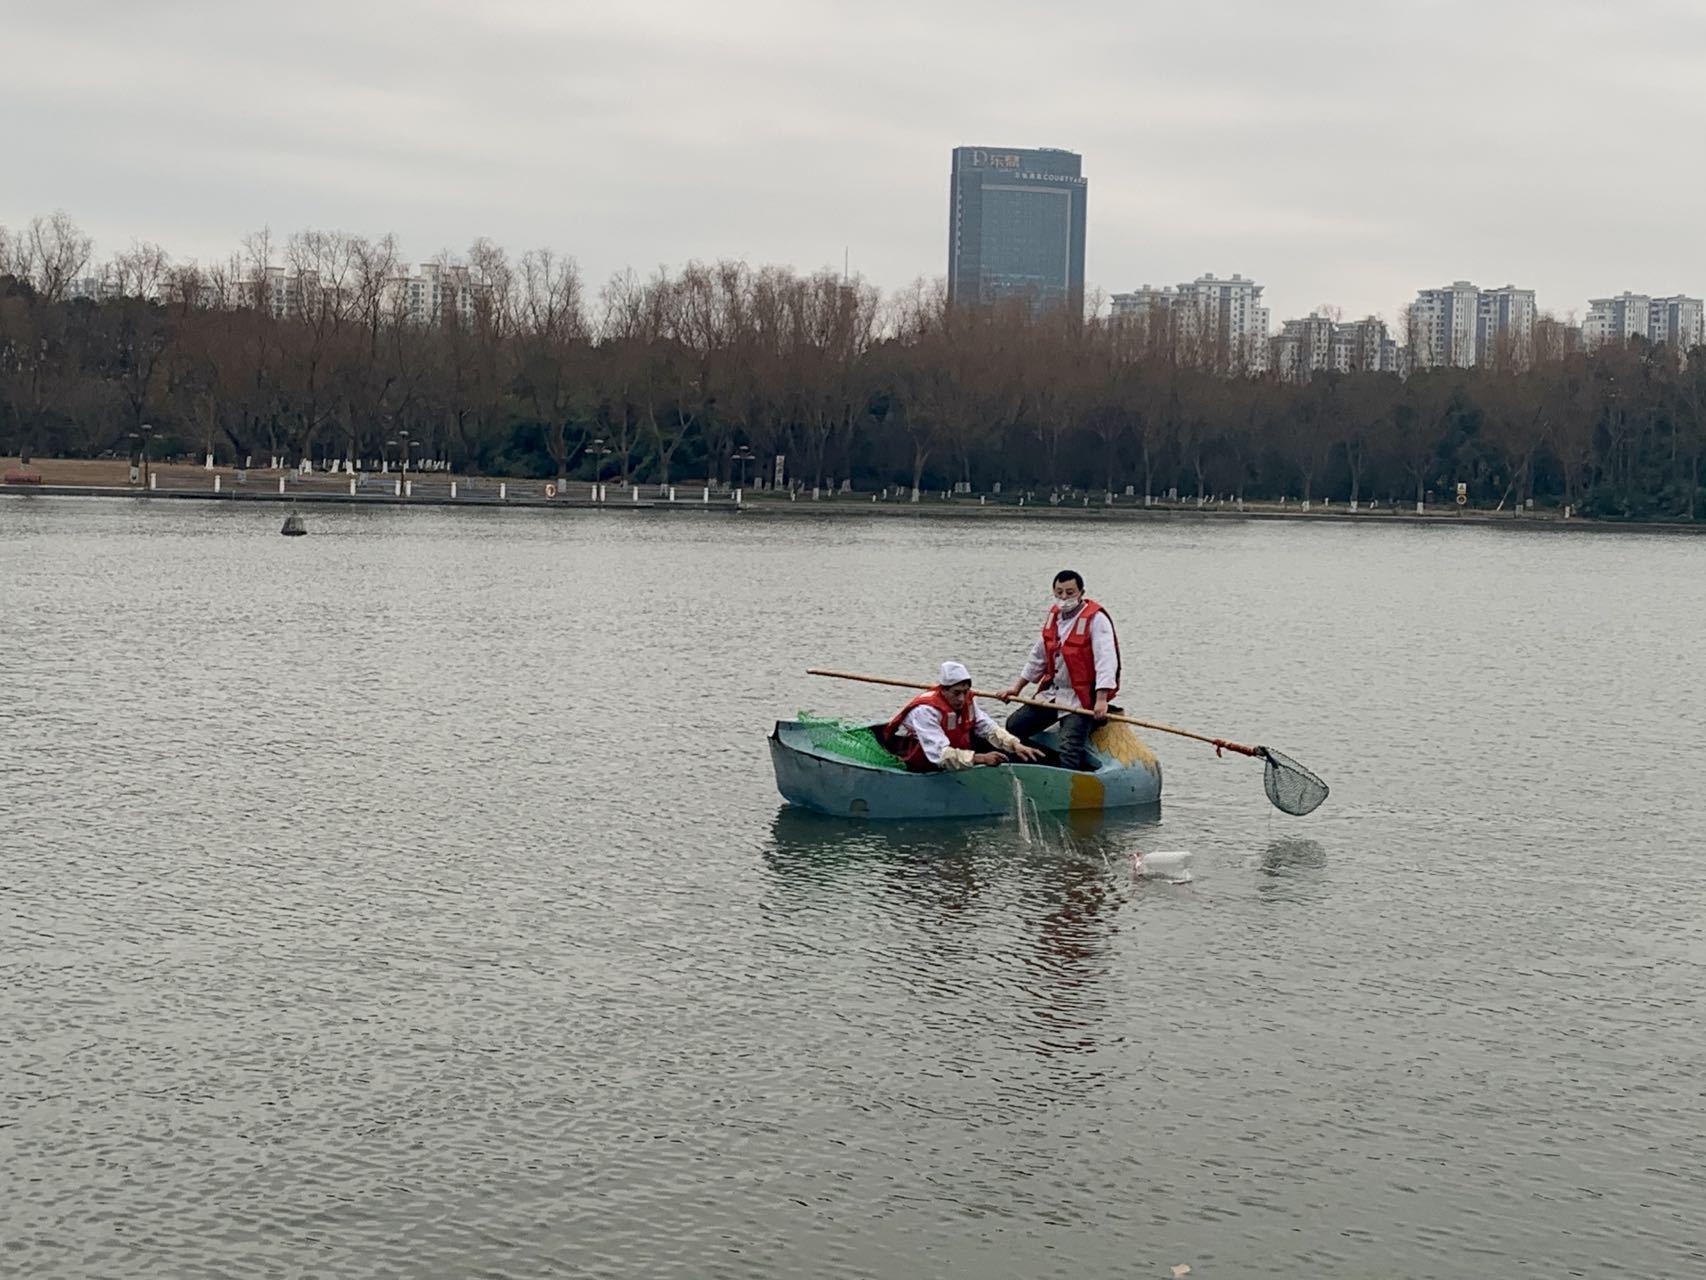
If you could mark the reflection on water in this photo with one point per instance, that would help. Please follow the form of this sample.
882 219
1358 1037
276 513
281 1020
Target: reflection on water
1050 904
798 832
1070 955
955 858
1293 853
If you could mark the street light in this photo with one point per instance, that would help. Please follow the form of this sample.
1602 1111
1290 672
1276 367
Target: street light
598 449
141 436
404 444
743 457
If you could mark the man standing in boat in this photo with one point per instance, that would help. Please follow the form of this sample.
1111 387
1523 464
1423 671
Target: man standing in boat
1076 663
944 728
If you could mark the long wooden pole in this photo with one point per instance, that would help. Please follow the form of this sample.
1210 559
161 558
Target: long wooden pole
1219 744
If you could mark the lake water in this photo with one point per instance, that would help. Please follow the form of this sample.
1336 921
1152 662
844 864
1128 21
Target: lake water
414 898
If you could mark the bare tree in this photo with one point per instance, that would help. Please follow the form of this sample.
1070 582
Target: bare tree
1365 422
1311 413
253 269
1690 394
1428 403
54 253
552 335
139 272
323 299
621 366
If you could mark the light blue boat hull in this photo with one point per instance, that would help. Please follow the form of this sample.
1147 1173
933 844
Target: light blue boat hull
817 780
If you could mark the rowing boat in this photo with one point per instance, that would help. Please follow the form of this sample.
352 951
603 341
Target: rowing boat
808 774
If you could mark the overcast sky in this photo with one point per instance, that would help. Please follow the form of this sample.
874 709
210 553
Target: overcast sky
1338 151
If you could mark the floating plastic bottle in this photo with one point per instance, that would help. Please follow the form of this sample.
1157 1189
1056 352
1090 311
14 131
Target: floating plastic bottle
1171 865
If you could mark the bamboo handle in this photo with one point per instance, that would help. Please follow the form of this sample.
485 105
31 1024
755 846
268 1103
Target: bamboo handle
1219 744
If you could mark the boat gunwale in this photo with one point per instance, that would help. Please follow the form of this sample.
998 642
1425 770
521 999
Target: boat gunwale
1109 765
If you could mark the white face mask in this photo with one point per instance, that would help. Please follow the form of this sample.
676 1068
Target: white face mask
1067 606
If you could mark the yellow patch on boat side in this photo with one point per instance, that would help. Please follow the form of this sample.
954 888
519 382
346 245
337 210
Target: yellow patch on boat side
1087 792
1122 743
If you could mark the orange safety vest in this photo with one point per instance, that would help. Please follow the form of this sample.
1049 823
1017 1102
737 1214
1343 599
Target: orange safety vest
1080 655
956 725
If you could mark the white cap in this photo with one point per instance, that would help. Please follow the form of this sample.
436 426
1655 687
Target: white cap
952 673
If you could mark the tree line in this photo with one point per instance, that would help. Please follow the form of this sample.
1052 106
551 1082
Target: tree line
697 373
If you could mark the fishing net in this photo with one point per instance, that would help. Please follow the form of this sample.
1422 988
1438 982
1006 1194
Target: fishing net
849 740
1291 787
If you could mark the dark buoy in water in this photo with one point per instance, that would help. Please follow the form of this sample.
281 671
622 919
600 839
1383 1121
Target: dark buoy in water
293 526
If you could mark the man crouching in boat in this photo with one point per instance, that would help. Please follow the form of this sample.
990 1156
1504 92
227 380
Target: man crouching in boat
944 728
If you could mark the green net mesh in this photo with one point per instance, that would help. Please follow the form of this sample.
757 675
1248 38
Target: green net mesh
1291 787
849 740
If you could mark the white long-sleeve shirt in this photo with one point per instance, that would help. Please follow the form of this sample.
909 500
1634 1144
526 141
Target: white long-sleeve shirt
925 724
1102 646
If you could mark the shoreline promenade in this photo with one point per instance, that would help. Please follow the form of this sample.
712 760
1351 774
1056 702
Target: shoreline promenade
110 478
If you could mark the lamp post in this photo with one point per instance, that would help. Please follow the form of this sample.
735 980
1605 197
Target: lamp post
404 444
597 450
744 456
141 435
